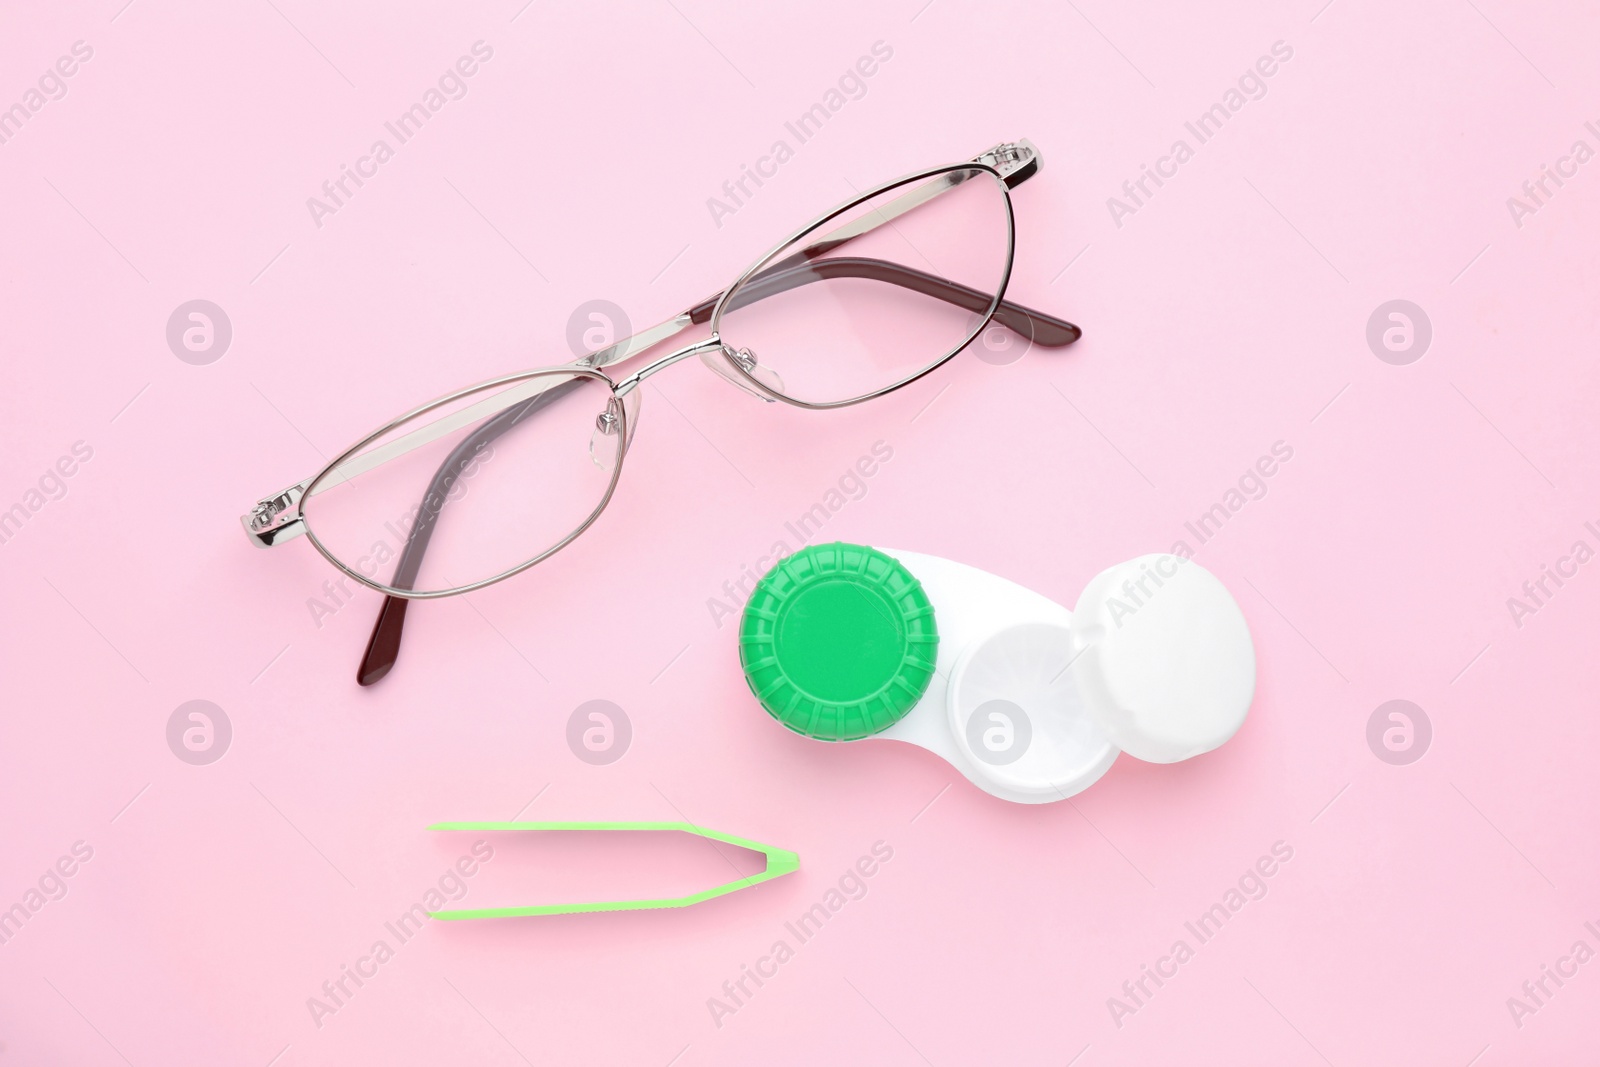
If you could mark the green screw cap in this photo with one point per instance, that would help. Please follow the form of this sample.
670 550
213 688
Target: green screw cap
838 642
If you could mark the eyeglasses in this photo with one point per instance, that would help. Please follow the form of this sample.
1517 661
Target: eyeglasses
481 484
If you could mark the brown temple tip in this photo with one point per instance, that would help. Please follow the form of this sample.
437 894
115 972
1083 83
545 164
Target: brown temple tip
384 646
1036 326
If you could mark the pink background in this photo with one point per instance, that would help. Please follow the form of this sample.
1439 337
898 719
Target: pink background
1228 313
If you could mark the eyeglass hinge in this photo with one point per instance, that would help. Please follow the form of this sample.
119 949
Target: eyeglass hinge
275 518
1017 161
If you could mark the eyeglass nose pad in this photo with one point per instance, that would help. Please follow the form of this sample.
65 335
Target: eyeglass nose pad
619 413
745 358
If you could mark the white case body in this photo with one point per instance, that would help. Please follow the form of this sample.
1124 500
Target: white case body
1033 702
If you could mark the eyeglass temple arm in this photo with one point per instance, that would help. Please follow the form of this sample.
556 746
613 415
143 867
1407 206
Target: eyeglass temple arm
1043 329
383 647
797 270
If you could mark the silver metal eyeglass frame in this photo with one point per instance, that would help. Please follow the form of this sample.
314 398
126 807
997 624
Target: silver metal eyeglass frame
278 517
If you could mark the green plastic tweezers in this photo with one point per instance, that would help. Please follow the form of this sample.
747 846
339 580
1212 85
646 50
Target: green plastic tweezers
780 862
